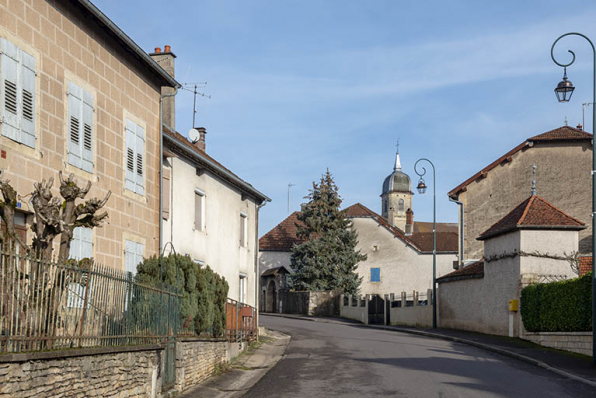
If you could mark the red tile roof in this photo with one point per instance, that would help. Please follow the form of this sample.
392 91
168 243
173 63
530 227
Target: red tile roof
534 213
282 237
422 242
424 226
585 265
564 133
472 271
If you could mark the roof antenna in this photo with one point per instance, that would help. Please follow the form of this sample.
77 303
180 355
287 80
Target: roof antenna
193 89
534 179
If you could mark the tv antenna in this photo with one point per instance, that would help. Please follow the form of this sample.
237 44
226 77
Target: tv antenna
193 89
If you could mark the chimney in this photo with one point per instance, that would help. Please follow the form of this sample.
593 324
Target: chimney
409 221
166 59
200 144
580 127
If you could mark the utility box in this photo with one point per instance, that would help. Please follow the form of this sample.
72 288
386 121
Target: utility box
514 305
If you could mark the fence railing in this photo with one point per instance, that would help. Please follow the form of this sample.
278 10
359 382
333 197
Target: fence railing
45 306
241 321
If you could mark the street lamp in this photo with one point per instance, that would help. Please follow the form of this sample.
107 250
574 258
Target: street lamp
422 189
563 91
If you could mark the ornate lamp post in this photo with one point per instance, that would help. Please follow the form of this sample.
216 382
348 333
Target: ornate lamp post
563 91
422 189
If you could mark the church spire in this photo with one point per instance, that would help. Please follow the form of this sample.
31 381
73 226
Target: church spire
397 161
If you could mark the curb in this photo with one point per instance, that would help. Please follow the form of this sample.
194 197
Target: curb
486 347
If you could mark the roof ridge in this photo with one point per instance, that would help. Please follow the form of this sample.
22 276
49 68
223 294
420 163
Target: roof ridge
525 213
559 210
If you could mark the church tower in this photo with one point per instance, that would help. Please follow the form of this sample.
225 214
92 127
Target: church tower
396 199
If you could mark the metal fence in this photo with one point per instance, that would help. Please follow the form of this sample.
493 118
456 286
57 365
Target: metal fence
241 321
46 306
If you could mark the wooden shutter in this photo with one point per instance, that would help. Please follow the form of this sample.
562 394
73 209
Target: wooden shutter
166 193
140 161
75 122
75 244
130 250
28 99
10 90
138 255
129 156
86 242
198 211
87 132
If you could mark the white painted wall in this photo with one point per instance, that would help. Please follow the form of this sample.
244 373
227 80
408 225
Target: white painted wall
402 267
218 245
271 259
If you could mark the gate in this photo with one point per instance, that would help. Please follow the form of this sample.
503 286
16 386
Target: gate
387 310
376 310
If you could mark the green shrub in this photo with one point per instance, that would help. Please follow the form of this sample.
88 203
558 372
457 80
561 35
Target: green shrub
204 292
564 306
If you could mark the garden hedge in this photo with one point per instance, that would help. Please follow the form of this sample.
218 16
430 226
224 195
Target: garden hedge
204 292
564 306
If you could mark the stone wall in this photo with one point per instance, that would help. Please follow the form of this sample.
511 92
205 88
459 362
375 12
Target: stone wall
197 360
356 308
416 315
579 342
126 372
123 374
317 303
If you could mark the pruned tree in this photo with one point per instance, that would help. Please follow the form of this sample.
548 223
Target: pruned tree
54 216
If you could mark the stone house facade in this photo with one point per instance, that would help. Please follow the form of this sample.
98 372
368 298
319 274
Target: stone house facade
563 158
79 96
396 262
528 244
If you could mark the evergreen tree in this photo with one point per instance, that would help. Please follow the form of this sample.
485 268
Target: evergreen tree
328 259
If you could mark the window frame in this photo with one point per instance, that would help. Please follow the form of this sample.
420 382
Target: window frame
198 193
135 148
81 97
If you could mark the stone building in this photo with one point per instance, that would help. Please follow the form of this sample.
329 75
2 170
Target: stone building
399 249
563 158
79 96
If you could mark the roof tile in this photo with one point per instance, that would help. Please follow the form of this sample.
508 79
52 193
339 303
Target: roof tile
474 270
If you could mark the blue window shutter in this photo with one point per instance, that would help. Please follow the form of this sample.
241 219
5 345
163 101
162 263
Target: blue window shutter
140 161
27 99
75 244
87 137
375 274
129 156
139 255
130 249
75 121
86 242
9 68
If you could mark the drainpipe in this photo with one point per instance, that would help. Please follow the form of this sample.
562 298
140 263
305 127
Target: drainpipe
461 230
161 98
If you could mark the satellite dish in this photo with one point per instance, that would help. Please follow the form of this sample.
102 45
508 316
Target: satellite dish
193 135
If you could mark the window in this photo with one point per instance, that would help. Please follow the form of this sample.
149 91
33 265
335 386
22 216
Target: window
243 229
199 210
81 247
400 205
18 94
135 152
375 274
166 193
80 128
386 209
133 252
242 291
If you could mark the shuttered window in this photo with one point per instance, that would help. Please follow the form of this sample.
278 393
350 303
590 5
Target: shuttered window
243 229
17 88
166 193
81 245
80 128
135 151
133 252
375 274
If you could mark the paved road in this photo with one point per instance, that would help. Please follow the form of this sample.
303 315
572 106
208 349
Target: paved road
331 360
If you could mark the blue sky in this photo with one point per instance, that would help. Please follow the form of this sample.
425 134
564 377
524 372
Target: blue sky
300 86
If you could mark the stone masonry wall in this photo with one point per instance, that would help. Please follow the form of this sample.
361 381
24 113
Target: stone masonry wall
579 342
196 361
129 374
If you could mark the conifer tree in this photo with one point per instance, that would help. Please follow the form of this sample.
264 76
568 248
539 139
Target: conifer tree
328 259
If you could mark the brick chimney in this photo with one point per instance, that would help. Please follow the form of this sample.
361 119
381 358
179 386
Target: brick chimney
409 221
580 127
200 144
166 59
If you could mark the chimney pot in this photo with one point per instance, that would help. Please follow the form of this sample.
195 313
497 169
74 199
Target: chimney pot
167 49
200 144
157 50
579 126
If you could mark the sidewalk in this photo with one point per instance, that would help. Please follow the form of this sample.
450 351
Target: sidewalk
245 371
574 366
